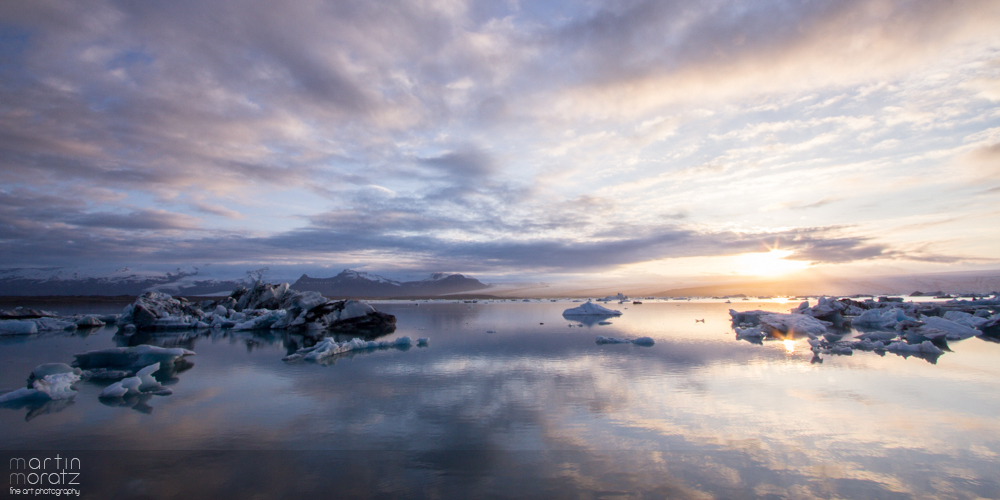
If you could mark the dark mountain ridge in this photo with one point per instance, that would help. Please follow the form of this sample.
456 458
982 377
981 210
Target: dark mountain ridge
350 283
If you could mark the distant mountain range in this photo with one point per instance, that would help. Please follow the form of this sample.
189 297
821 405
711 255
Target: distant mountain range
350 283
347 284
57 281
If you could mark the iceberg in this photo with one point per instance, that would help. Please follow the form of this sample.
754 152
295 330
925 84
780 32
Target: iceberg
754 332
641 341
590 309
935 327
125 361
142 383
263 306
17 327
964 318
50 387
329 347
34 325
781 324
925 347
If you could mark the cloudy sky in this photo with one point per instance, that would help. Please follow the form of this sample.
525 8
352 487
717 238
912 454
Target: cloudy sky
502 139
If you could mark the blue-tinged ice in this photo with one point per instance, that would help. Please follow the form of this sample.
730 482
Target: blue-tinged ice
591 309
641 341
142 383
49 387
329 347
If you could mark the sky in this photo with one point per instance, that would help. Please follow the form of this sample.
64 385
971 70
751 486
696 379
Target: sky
507 140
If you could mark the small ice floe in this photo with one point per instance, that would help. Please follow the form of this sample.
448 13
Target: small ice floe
925 347
940 328
142 383
34 325
590 309
89 322
641 341
620 297
328 348
970 320
423 342
52 386
45 369
491 331
754 332
118 362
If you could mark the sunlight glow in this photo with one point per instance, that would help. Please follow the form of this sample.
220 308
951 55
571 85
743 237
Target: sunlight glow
789 346
770 263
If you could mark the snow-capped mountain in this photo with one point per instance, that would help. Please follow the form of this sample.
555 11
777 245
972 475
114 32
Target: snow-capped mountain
350 283
124 281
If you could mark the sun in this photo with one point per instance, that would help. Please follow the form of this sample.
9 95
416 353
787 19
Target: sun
770 263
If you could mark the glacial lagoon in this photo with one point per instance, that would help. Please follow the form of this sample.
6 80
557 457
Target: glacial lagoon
511 400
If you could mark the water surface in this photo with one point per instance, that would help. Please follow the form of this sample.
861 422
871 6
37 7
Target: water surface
535 409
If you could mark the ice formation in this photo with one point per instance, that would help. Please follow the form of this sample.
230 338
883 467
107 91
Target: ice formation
50 387
590 309
329 347
142 383
890 325
641 341
34 325
117 362
778 323
262 307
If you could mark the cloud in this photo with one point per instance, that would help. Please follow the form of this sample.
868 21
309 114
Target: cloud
138 220
551 136
465 163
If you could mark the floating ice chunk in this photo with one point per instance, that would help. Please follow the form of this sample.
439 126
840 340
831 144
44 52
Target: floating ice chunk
869 345
49 387
590 309
936 327
89 322
925 347
878 336
788 324
752 332
423 342
17 327
641 341
966 319
142 382
882 318
45 369
129 359
263 322
329 347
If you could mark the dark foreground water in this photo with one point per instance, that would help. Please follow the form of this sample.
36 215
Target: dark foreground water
533 410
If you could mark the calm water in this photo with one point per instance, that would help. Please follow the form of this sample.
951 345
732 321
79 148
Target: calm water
536 409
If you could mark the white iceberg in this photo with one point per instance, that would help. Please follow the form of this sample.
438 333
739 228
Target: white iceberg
50 387
935 327
964 318
785 324
142 383
925 347
329 347
590 309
